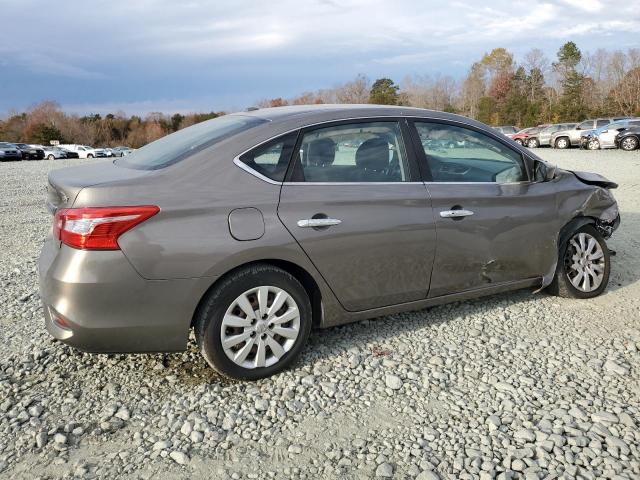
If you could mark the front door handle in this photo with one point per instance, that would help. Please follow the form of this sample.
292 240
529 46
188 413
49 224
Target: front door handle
455 213
318 222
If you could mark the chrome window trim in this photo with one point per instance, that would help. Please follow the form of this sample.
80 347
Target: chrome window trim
251 171
480 183
352 183
397 117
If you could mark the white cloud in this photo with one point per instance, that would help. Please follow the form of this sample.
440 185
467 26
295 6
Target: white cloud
165 48
586 5
214 29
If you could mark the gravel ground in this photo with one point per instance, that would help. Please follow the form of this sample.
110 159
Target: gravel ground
510 386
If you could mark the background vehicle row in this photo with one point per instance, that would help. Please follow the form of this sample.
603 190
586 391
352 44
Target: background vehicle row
21 151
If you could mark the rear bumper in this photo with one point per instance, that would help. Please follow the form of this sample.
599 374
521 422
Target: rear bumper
107 307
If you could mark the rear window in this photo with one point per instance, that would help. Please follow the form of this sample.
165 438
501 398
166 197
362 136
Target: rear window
184 143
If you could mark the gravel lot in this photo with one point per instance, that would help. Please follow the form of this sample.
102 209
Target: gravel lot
510 386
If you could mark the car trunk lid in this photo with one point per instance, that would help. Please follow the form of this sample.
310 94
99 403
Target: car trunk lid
65 184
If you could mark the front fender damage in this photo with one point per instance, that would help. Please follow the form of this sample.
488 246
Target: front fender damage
598 207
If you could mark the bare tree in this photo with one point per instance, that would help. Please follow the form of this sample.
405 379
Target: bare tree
355 91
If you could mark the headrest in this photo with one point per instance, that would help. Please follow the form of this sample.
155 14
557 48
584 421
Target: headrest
373 154
322 152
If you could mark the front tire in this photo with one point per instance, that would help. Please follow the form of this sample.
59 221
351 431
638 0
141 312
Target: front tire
583 267
254 323
518 141
89 156
51 157
533 143
629 143
593 144
562 143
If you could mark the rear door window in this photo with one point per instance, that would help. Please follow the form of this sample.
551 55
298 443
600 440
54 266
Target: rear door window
355 152
271 159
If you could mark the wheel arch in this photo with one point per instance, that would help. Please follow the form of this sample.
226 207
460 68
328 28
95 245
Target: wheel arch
563 237
302 275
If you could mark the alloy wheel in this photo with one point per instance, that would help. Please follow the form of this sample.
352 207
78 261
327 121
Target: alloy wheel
260 327
629 143
593 144
584 262
562 143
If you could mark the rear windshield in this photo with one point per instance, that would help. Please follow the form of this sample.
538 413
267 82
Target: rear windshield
184 143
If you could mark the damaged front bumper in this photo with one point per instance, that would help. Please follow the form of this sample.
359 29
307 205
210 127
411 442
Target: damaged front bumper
607 227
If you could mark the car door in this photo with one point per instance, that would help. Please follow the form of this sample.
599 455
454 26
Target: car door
493 225
607 137
356 205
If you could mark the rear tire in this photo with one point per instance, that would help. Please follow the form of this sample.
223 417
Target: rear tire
263 351
583 267
533 143
562 143
629 143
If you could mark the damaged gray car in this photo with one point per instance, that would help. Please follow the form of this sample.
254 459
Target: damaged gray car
253 228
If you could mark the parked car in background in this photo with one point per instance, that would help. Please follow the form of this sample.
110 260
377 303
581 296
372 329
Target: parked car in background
141 251
51 153
571 137
101 153
121 151
543 137
522 136
9 152
605 137
508 130
69 153
83 151
29 152
629 139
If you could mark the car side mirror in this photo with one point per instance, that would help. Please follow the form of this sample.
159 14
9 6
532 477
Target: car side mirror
544 172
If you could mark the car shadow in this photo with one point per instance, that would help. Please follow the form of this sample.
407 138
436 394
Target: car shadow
363 338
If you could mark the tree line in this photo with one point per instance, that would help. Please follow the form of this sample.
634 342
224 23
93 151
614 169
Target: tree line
46 121
497 90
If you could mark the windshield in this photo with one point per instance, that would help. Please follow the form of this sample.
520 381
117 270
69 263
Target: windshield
184 143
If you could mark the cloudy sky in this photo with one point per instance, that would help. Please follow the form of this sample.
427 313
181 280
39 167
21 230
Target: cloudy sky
202 55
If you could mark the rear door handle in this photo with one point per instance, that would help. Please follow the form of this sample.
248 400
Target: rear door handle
455 213
318 222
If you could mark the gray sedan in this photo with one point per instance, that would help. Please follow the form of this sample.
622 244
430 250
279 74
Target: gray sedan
254 227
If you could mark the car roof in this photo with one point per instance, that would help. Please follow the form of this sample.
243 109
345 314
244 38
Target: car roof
299 116
346 111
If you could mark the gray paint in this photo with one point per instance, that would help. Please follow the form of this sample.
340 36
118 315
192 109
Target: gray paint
378 261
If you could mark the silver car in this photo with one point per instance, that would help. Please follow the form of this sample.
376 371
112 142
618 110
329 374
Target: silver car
543 137
605 137
52 153
571 137
255 227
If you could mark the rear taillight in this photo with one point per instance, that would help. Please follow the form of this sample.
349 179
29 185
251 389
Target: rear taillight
98 228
